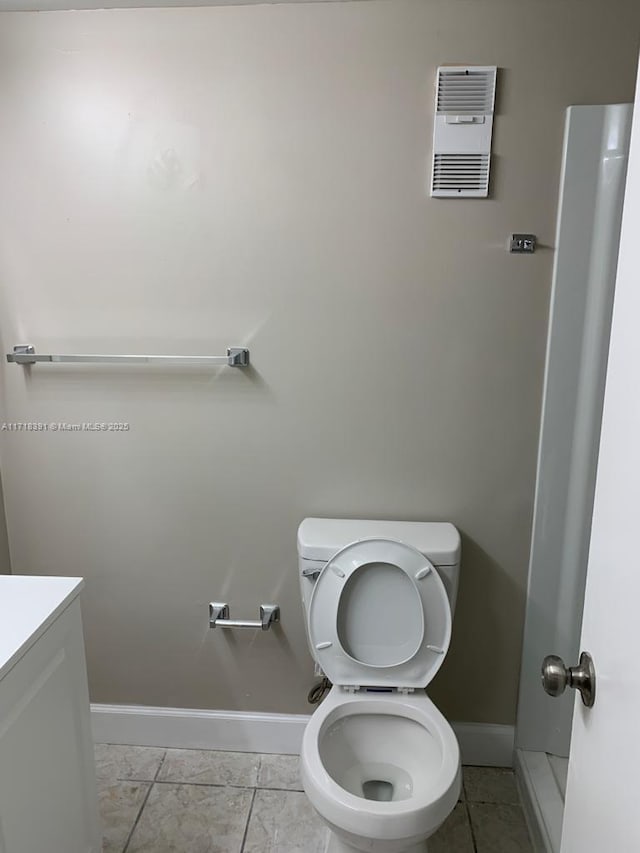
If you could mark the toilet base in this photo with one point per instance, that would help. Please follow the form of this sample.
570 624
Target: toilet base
337 845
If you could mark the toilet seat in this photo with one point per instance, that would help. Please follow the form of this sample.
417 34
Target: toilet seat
379 617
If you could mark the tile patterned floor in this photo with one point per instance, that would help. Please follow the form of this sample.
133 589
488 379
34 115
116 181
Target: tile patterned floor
195 801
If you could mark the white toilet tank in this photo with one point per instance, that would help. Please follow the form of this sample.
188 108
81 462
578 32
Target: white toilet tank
320 538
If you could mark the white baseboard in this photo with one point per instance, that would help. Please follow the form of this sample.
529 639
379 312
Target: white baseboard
185 728
541 800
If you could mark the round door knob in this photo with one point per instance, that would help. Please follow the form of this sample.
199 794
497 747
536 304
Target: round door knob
556 677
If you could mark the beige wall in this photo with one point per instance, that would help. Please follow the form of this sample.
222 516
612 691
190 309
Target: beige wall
183 180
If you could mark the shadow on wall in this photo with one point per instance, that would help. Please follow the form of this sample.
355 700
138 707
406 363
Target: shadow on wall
5 560
141 381
488 619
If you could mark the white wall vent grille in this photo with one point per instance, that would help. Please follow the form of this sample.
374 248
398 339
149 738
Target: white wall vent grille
465 97
457 174
467 92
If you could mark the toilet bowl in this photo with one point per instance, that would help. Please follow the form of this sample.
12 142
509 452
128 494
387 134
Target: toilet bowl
383 772
380 763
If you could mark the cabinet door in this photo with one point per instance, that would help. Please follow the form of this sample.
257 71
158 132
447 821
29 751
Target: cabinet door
48 801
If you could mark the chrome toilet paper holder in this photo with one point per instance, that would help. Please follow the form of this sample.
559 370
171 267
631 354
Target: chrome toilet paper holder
219 617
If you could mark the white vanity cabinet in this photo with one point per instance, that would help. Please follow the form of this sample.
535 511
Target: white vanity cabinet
48 799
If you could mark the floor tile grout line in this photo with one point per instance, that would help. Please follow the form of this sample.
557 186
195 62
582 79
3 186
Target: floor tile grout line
474 843
287 790
246 826
160 764
211 785
204 784
144 803
138 816
491 802
471 829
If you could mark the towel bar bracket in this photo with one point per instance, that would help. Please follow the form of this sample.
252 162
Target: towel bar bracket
238 357
20 355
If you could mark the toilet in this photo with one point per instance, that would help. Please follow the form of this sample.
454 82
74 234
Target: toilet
379 762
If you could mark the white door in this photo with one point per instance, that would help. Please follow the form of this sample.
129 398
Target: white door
602 810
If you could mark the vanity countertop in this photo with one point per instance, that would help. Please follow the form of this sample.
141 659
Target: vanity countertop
28 605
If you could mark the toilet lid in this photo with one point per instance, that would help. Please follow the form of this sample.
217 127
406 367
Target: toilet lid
379 616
